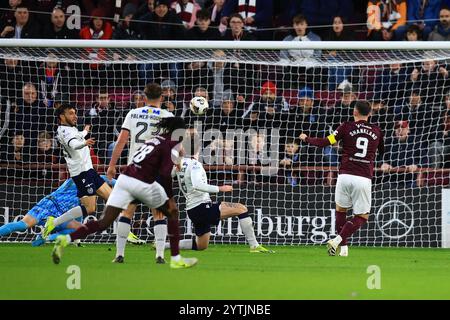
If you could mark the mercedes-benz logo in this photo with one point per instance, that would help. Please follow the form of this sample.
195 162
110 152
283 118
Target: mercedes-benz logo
395 219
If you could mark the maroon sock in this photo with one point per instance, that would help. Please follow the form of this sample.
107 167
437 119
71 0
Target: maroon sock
351 227
85 230
173 230
341 219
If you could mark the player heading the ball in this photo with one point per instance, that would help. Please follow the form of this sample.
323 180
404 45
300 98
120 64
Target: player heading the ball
360 142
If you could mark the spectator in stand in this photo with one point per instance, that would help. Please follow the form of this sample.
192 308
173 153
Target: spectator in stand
218 75
269 100
338 32
13 74
98 28
412 102
202 30
228 116
383 19
127 29
23 27
186 11
309 116
291 160
43 9
164 24
399 15
413 33
144 11
382 116
137 99
401 153
256 15
57 29
31 116
300 25
170 101
433 80
441 31
218 79
7 16
266 111
425 14
341 112
426 127
105 120
391 83
236 31
215 11
53 79
18 151
44 152
201 92
15 153
343 109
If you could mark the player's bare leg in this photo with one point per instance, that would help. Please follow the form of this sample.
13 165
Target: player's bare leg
110 214
229 209
87 206
202 242
104 191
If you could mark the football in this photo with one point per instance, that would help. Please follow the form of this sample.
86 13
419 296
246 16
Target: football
199 105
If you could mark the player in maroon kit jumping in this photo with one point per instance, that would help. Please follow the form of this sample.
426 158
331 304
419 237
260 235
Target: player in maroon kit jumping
361 140
155 158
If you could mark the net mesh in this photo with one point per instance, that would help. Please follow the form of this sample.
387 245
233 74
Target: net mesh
260 101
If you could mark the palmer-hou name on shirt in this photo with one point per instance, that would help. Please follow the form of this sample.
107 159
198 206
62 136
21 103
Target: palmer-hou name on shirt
144 116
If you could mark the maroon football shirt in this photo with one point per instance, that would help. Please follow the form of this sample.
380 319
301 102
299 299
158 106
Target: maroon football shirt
154 162
361 140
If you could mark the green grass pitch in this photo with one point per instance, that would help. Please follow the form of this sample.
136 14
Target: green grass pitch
226 272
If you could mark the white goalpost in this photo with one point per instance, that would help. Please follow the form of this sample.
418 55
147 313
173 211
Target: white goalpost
262 95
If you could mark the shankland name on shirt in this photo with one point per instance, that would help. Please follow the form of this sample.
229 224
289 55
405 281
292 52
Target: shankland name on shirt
364 131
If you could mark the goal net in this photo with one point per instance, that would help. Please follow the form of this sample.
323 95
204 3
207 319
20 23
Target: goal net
261 97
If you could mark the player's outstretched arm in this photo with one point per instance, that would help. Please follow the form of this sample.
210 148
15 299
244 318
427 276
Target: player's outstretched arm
225 188
319 142
122 141
198 181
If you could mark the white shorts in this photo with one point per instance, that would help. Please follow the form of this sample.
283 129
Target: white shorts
128 189
354 192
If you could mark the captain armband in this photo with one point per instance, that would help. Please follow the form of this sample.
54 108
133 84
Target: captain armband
332 139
